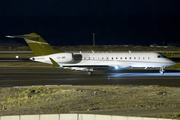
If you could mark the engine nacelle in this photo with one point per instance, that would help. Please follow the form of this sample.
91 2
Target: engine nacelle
60 57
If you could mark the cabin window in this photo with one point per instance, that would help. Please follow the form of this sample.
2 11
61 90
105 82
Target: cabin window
139 58
134 57
148 57
125 57
98 58
107 58
129 57
89 58
143 58
112 58
102 58
116 58
121 58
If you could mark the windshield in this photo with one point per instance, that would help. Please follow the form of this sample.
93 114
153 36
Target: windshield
161 56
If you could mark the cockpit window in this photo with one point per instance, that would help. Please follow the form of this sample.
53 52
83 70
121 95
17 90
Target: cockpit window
161 56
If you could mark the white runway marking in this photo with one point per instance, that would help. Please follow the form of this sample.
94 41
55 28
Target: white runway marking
144 74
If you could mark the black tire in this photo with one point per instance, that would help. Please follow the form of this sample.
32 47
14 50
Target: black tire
161 72
89 73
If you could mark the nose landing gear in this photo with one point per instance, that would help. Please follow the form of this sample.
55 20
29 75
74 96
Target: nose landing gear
162 70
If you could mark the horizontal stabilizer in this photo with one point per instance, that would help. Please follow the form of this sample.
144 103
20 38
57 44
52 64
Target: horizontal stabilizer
38 45
21 36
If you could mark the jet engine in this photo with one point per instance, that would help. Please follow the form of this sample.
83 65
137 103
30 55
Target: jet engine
61 57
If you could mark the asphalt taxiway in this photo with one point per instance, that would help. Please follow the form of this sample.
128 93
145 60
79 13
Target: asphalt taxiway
27 76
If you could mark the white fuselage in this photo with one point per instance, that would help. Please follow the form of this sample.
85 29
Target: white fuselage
122 60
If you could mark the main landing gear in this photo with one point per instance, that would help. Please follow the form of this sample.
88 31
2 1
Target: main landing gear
162 70
89 72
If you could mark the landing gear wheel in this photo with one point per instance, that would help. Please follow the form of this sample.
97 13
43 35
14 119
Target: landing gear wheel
89 72
161 71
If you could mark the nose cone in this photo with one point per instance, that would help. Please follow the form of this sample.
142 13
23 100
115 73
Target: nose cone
173 63
170 63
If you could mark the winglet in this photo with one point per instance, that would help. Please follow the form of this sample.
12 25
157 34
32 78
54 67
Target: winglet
54 62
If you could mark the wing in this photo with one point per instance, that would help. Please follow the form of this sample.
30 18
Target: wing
119 66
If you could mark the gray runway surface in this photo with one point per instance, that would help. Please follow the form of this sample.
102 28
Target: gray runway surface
26 76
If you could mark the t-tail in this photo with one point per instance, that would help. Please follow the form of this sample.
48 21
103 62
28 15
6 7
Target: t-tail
37 44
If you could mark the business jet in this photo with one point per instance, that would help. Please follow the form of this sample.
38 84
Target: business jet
89 62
